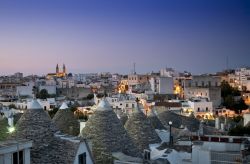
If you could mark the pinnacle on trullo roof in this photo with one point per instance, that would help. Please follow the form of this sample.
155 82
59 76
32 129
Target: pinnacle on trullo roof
107 134
140 130
64 106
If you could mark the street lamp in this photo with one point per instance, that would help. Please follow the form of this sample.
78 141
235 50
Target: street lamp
170 136
11 130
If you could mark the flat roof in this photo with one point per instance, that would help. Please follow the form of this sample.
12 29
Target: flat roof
9 143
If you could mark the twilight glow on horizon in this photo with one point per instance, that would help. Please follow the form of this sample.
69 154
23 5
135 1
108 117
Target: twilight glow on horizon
110 35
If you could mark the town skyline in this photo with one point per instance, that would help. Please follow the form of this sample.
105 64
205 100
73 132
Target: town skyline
110 36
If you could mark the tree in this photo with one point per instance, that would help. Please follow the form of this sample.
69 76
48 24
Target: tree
229 101
90 96
227 90
12 106
43 94
228 93
240 105
239 131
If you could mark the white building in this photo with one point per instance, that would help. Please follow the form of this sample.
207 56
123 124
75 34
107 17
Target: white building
218 149
51 89
24 91
201 107
204 86
168 72
162 85
69 83
242 76
80 77
13 151
48 104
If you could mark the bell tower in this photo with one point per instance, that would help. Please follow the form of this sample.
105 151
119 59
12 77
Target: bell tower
57 69
64 69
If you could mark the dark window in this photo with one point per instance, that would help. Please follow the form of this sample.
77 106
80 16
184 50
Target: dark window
18 157
127 105
82 158
206 109
198 109
209 83
202 83
133 105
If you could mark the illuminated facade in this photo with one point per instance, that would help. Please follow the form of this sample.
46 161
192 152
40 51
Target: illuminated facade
58 73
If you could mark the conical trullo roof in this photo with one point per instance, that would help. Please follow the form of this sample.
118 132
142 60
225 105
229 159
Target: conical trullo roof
107 134
66 122
156 123
36 125
140 130
178 120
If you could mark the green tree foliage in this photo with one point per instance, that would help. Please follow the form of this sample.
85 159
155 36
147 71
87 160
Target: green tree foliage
3 129
239 131
90 96
43 94
228 93
237 118
227 90
12 106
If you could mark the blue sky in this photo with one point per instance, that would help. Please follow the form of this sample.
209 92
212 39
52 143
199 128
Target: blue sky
100 36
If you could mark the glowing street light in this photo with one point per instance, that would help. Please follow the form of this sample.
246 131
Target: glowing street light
11 129
170 136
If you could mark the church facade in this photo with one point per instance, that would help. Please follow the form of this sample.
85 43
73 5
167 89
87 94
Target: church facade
58 73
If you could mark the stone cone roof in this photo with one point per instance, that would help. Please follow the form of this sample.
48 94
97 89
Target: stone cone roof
184 133
36 125
107 134
123 119
141 130
156 123
65 120
165 116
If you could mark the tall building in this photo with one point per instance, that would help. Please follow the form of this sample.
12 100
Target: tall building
205 86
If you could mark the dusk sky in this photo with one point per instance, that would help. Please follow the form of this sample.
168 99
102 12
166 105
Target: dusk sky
105 35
